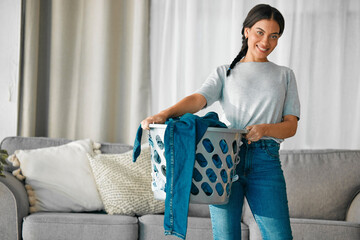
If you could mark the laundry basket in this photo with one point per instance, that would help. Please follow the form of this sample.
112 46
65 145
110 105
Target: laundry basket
215 161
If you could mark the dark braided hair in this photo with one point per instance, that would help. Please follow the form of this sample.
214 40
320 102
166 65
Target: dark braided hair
257 13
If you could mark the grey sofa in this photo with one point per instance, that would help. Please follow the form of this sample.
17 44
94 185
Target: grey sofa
323 193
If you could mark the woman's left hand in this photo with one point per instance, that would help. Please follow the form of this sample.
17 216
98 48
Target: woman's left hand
256 132
285 129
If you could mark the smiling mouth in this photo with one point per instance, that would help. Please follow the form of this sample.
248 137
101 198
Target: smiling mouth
262 49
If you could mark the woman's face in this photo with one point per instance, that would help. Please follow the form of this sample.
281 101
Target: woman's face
262 39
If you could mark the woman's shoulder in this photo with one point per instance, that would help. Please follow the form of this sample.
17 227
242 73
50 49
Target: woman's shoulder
221 70
281 67
286 72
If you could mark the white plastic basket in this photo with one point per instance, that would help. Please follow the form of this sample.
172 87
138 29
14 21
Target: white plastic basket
215 162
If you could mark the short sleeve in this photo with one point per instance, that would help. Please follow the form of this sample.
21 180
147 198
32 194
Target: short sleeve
213 85
292 102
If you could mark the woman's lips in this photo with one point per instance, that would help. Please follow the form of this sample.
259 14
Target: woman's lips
262 49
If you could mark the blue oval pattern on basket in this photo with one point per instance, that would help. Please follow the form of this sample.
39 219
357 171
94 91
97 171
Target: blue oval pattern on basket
209 147
194 190
229 161
219 188
224 176
151 141
223 146
157 157
163 170
206 188
234 145
201 160
197 175
211 175
217 161
228 189
159 142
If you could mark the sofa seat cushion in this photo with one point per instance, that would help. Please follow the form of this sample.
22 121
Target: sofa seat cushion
323 229
79 226
151 227
315 229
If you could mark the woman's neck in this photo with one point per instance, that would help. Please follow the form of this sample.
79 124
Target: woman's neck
251 59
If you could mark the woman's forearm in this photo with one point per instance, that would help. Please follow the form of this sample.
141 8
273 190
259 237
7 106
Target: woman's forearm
285 129
190 104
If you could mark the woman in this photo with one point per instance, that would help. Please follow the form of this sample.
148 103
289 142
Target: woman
262 97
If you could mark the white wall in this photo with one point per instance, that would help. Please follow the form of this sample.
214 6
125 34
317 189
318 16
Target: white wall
10 12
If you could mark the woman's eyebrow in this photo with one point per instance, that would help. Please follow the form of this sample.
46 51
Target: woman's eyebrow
265 31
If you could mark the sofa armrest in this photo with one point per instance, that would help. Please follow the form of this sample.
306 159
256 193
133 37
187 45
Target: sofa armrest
14 206
353 212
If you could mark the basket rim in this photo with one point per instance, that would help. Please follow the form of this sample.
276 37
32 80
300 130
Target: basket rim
210 129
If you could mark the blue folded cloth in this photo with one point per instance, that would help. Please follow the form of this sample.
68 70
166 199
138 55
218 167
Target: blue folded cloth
180 140
137 144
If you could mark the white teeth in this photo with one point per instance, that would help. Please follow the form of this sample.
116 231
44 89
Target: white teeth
262 49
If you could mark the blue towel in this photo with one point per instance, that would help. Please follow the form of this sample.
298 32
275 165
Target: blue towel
181 137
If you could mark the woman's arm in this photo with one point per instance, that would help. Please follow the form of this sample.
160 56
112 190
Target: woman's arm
287 128
190 104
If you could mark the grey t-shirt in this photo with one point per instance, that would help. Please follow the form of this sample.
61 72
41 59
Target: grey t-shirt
254 93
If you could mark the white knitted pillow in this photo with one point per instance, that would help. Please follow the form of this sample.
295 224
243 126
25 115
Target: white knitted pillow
125 186
59 178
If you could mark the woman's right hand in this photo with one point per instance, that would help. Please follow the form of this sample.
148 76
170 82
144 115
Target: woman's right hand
158 118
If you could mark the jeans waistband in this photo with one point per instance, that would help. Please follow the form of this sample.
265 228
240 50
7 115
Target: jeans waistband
261 143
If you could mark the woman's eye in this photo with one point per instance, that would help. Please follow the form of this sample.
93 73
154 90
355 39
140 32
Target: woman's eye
274 37
260 33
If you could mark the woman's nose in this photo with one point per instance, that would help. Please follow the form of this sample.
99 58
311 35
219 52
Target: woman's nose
265 41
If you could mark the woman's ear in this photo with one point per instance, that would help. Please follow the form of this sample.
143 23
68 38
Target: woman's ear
246 32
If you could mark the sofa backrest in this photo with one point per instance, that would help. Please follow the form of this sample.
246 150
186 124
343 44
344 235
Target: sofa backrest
16 143
321 184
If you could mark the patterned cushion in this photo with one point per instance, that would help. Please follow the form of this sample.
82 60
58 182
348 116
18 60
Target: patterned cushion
125 186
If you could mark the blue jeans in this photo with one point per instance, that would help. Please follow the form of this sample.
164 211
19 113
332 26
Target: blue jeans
181 137
262 182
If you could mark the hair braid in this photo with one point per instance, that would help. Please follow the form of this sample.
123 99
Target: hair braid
241 54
